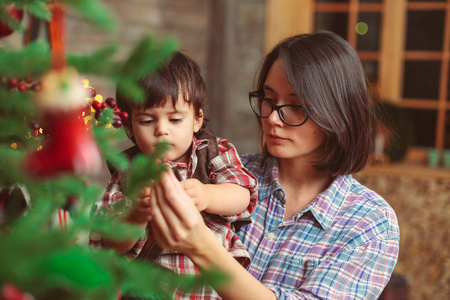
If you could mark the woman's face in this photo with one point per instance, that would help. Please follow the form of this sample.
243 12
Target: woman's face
285 141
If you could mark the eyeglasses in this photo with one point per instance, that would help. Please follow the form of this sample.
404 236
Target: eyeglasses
292 115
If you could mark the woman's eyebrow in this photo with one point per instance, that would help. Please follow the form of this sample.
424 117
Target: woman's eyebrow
266 87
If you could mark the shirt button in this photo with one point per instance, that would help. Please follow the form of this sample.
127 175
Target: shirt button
279 194
271 236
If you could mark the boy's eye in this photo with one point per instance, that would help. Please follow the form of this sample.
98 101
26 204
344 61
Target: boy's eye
175 120
146 122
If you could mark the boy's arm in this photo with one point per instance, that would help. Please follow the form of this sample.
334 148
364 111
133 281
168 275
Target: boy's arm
121 246
139 216
113 205
233 189
227 198
222 199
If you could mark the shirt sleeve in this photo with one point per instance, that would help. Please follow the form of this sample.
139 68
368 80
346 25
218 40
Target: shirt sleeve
111 204
228 168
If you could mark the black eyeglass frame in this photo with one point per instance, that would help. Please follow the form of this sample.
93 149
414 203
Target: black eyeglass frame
275 107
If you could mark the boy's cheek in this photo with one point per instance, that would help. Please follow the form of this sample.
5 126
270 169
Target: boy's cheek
146 148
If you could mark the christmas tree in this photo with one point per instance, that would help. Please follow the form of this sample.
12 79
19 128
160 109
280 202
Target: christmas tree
55 133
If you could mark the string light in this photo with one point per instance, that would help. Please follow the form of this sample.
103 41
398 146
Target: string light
361 28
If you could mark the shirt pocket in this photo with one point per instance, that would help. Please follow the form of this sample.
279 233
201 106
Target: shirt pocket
291 271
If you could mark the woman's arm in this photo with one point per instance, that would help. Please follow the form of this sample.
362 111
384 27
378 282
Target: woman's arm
178 225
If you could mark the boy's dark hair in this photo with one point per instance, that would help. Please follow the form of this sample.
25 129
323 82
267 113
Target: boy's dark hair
180 74
328 79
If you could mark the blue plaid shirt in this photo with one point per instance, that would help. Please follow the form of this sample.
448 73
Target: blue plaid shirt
343 245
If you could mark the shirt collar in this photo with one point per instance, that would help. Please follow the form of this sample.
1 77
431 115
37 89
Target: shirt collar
272 178
196 145
325 206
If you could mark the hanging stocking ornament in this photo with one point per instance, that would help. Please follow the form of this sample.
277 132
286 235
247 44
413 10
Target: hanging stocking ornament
14 13
69 146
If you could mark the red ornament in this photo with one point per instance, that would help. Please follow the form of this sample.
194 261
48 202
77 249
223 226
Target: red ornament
111 102
92 92
13 82
17 14
117 111
22 87
69 147
117 123
11 292
104 105
124 115
96 105
98 114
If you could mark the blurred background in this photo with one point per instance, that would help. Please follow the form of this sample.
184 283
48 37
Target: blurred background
405 48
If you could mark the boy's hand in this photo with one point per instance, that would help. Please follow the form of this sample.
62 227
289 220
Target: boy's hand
141 213
198 192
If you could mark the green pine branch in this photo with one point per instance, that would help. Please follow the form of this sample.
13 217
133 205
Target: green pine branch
33 60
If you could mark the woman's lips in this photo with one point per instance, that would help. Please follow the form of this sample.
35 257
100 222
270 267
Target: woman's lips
275 138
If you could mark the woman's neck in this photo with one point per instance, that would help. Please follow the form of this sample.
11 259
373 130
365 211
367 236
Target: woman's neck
301 183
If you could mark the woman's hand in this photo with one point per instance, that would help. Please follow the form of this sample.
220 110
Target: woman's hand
176 222
178 225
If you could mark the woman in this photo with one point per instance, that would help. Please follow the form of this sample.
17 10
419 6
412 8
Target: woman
316 232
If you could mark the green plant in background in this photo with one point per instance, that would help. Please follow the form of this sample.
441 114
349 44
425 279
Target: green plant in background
397 127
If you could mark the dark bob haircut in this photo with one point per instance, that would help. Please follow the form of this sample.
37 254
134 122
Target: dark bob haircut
179 74
326 74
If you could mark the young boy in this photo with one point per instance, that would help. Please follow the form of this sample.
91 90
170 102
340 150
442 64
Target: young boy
209 167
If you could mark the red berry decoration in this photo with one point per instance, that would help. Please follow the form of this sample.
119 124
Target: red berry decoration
117 123
35 87
13 82
98 114
92 92
104 105
124 115
111 102
22 87
9 291
96 105
30 79
117 111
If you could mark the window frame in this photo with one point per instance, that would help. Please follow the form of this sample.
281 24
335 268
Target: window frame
391 56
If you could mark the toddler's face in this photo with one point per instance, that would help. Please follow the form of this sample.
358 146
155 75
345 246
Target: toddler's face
175 125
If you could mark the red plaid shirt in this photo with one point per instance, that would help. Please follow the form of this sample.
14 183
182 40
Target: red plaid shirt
226 167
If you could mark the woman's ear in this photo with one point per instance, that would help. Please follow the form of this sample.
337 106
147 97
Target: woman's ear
198 122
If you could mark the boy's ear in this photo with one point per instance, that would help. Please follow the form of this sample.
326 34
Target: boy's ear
198 122
129 130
